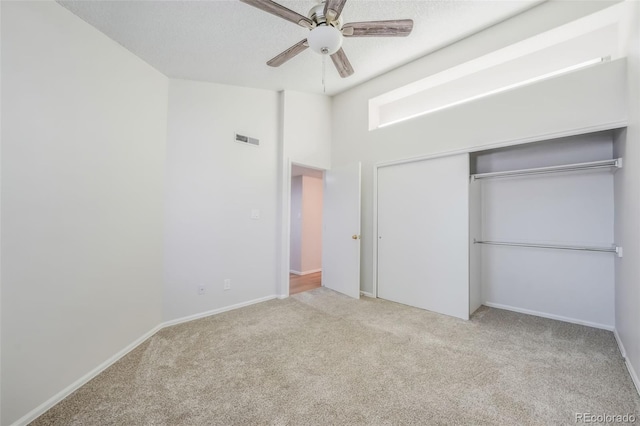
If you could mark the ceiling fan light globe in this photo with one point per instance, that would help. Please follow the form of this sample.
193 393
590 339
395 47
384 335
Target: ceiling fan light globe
325 40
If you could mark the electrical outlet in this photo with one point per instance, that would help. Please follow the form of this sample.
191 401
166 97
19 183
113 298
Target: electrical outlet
201 290
227 284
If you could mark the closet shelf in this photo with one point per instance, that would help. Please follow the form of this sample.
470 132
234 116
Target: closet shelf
614 165
614 249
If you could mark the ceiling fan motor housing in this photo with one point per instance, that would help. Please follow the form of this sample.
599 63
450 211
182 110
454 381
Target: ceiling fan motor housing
325 39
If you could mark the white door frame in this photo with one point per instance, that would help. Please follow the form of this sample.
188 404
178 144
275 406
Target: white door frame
282 287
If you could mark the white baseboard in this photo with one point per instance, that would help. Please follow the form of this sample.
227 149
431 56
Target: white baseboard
45 406
620 345
216 311
366 294
632 371
312 271
550 316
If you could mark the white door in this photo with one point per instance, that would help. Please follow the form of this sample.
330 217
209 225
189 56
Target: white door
423 234
341 236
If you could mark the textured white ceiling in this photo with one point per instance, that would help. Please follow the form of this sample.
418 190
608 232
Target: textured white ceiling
229 42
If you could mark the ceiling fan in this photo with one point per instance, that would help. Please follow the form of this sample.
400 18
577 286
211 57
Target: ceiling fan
327 31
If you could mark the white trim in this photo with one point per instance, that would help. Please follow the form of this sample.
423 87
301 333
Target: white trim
48 404
632 371
45 406
633 374
550 316
376 237
284 249
620 345
367 294
217 311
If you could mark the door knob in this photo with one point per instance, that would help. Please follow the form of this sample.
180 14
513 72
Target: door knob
355 236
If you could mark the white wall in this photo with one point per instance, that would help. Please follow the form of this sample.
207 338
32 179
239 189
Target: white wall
83 143
582 100
311 224
627 220
213 183
305 139
306 129
295 245
563 208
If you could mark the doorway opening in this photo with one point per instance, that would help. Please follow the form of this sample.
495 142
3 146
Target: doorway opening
305 261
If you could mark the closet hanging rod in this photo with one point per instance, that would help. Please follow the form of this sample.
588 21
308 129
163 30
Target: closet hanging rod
593 165
614 249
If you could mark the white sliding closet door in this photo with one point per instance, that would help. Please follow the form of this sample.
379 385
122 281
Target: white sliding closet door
423 234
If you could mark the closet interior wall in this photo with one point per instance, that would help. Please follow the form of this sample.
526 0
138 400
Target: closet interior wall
574 208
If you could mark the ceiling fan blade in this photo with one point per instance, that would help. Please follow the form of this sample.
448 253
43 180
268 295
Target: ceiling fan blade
393 28
289 53
281 11
333 9
342 63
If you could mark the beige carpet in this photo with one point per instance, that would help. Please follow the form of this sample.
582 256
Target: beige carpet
322 358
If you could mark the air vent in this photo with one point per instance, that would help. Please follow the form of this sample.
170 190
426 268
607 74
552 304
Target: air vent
247 140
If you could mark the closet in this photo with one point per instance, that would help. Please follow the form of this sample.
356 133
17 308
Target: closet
543 240
537 221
